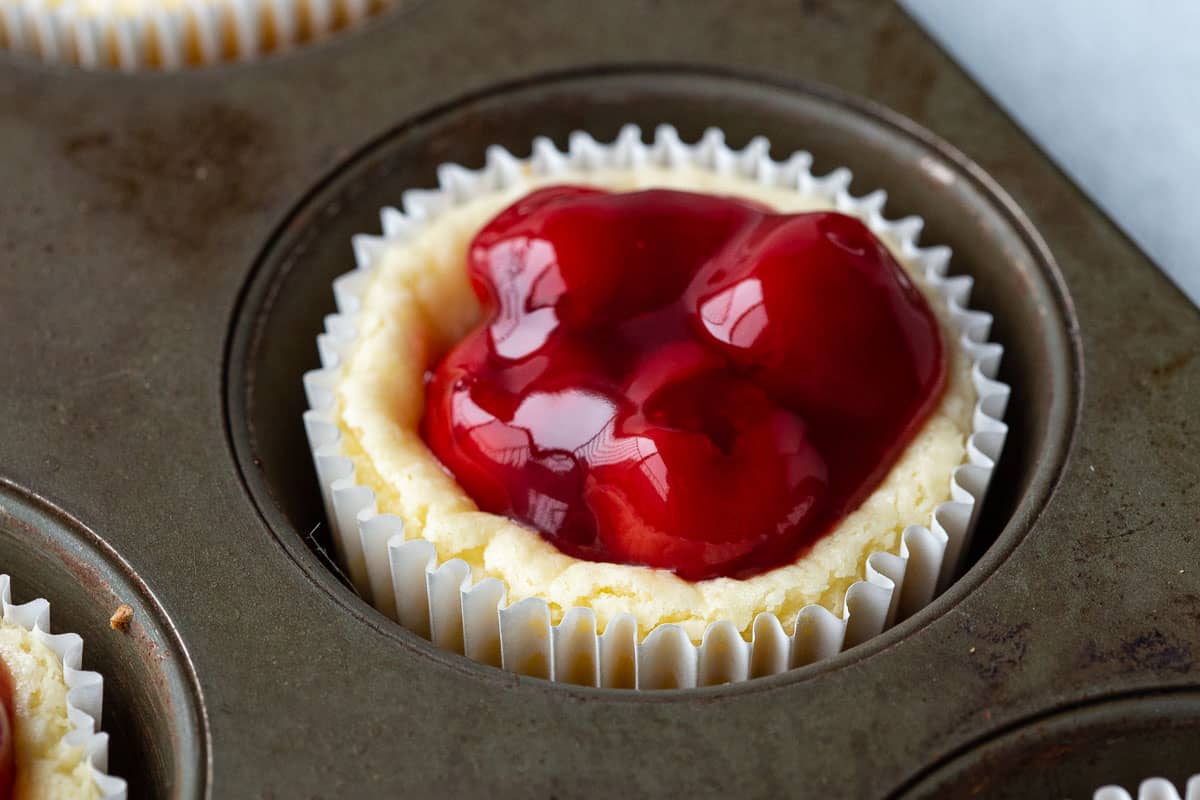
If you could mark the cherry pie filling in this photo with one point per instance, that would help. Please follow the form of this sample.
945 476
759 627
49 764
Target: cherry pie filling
682 381
8 768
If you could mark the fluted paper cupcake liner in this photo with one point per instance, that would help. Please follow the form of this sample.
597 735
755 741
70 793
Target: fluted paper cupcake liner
1152 789
404 579
85 689
109 34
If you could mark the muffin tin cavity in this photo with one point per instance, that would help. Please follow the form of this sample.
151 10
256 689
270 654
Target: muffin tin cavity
153 713
289 294
1114 742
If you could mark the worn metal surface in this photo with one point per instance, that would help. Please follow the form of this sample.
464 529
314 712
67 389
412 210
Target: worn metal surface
133 211
1070 754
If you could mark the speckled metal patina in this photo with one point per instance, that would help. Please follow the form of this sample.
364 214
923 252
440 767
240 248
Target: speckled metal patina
165 257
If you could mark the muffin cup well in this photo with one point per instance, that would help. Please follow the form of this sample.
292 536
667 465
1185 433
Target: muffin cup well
1152 789
98 34
85 690
404 580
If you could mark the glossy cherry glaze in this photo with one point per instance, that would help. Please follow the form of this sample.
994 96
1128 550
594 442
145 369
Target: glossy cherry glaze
8 767
679 380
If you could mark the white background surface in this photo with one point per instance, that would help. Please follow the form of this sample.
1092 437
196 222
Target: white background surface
1111 90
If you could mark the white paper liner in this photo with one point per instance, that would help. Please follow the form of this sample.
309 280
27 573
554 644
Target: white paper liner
85 690
1152 789
109 34
404 580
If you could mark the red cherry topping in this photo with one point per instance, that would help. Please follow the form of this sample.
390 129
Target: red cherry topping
8 768
679 380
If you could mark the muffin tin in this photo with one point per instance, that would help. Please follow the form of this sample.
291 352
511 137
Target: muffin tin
168 243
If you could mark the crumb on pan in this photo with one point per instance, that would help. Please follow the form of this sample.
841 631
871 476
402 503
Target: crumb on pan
119 621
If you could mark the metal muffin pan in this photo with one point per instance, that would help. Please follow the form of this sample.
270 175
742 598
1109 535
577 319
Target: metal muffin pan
165 259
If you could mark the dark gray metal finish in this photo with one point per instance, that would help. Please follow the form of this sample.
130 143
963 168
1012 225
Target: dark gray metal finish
134 211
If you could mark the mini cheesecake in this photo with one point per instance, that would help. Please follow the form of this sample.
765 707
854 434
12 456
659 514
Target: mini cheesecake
679 394
170 34
35 759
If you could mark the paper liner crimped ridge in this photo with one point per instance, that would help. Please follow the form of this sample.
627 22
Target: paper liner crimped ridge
1152 789
110 34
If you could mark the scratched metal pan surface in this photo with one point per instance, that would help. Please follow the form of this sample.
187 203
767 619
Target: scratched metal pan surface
166 248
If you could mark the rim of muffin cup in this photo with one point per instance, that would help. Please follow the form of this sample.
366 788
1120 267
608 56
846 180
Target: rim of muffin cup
404 579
